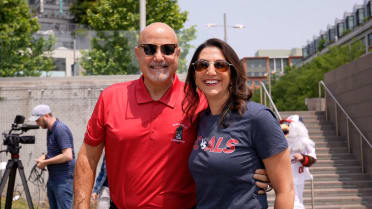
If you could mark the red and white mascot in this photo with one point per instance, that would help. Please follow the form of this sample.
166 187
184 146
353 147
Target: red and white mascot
302 154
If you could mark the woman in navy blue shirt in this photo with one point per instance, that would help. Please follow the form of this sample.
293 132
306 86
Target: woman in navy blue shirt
235 136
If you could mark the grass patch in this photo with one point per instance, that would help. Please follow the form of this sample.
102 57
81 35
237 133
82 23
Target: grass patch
21 203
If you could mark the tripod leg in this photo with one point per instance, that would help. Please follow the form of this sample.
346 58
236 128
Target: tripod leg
25 186
9 167
5 177
9 193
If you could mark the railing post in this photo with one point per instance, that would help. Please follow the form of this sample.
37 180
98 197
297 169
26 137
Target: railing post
320 91
265 99
361 153
261 94
312 194
336 119
348 136
325 104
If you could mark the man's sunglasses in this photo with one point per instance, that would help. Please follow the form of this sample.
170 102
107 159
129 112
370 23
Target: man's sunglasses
220 66
166 49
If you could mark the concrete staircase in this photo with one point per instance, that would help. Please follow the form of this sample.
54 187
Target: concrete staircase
338 179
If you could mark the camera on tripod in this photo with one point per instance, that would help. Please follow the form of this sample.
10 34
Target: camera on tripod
12 141
14 138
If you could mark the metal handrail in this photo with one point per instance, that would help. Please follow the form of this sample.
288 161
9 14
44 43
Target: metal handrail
338 105
270 99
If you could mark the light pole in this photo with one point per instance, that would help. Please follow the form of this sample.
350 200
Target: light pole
142 14
225 25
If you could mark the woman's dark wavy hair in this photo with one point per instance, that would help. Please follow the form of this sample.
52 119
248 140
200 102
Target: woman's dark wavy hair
238 88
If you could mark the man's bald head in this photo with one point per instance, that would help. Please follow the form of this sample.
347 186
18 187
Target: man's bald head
157 53
158 29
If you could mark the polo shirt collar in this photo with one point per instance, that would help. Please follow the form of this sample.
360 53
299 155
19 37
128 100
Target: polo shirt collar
169 98
53 126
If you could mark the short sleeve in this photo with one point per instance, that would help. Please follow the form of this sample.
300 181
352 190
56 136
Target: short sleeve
95 132
63 137
268 137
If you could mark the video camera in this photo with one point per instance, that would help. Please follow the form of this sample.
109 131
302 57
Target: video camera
12 140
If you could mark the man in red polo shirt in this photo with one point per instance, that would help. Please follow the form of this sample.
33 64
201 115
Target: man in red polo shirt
146 136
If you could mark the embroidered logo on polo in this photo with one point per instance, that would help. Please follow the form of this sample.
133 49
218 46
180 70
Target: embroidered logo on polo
217 146
179 133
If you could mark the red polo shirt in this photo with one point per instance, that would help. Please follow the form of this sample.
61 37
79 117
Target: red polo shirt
147 164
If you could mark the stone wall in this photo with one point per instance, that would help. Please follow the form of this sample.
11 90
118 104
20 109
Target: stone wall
351 85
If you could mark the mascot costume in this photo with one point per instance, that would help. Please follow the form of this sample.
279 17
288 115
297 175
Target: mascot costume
302 154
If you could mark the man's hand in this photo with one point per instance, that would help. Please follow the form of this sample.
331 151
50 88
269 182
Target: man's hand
41 162
94 197
262 181
298 157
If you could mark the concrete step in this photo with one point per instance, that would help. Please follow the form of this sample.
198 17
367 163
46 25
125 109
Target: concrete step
319 126
339 206
317 121
340 176
321 134
328 138
302 113
331 150
327 163
319 144
338 192
335 156
335 201
333 192
340 184
335 206
335 170
320 200
328 132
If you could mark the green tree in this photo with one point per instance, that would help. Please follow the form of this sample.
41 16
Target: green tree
124 14
21 54
110 49
322 44
110 55
290 91
79 10
184 37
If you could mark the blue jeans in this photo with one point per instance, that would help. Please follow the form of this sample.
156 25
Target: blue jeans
59 191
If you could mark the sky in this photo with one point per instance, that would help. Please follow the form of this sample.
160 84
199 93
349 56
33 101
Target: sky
269 24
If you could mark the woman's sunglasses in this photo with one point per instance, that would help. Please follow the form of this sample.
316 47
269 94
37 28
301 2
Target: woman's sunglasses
220 66
166 49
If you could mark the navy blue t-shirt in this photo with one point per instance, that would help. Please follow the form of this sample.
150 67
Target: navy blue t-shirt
59 138
224 160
